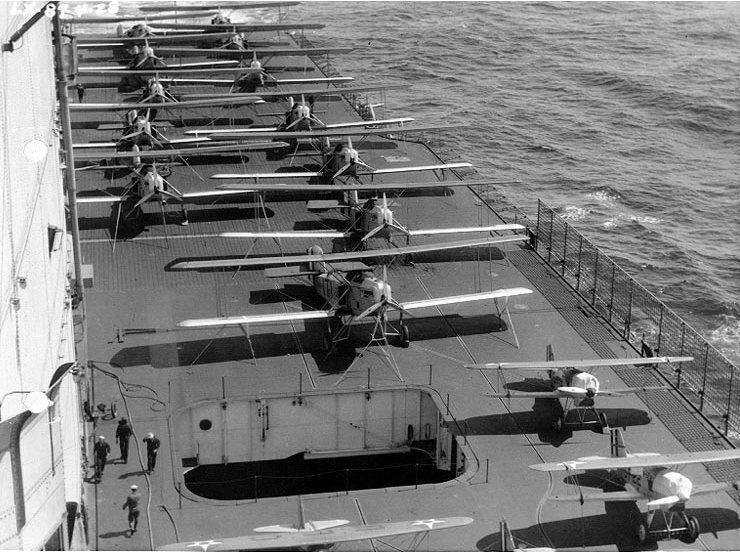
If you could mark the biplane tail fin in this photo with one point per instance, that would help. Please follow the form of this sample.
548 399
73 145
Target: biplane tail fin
618 449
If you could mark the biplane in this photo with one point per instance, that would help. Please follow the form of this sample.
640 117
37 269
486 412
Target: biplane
342 161
651 477
574 386
322 534
352 290
368 219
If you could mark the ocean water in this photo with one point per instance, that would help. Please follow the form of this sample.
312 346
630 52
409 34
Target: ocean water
623 116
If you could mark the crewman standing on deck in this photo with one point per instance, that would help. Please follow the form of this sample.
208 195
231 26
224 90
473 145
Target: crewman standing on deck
152 447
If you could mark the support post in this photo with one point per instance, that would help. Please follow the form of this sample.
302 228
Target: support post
69 172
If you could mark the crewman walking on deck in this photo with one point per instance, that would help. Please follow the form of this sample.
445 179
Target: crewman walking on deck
100 450
123 434
152 446
132 503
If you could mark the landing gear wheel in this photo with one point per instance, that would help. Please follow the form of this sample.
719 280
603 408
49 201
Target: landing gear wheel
641 532
326 343
403 338
557 425
692 530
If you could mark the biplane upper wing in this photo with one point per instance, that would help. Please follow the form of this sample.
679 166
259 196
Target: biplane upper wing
240 27
336 132
256 319
116 144
441 166
315 92
347 533
105 198
177 152
644 460
334 234
68 17
350 255
272 131
187 104
154 39
581 364
250 52
164 6
302 187
457 299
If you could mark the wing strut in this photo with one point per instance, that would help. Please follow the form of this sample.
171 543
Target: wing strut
245 329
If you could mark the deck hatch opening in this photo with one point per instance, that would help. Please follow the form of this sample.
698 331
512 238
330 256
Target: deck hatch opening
333 442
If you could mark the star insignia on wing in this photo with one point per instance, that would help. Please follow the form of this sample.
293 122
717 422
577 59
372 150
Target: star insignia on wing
203 545
430 523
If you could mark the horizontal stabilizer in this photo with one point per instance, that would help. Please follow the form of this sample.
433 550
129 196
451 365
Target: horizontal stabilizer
323 204
457 299
257 319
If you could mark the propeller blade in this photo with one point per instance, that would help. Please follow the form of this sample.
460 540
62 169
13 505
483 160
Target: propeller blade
371 309
664 501
572 391
372 232
143 200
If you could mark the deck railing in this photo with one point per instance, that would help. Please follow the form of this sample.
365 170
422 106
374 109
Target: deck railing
710 381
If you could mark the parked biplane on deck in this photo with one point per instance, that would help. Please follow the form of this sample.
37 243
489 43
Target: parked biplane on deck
321 535
368 218
651 477
343 162
351 289
574 386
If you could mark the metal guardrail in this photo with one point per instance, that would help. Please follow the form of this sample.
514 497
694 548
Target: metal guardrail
641 318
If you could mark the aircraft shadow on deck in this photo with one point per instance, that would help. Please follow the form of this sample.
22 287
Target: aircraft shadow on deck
268 345
154 218
539 420
615 527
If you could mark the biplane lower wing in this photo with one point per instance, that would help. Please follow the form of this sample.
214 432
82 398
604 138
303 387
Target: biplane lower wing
639 461
204 150
581 364
348 533
350 255
186 104
257 319
570 392
85 145
457 299
633 495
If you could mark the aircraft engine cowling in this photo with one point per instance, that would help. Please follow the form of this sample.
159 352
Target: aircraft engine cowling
670 483
586 381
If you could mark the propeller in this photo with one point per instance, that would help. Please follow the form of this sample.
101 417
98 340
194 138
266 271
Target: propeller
386 222
352 158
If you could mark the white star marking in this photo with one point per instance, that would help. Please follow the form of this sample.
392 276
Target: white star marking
428 522
203 545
